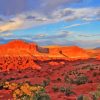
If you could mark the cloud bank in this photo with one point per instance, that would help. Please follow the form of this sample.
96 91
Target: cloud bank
33 19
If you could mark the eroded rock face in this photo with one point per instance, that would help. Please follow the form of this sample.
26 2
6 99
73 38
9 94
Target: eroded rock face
13 63
98 57
21 48
70 52
19 54
42 50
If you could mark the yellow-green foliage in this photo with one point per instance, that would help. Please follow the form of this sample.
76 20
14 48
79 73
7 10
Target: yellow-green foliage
85 98
96 94
25 91
81 97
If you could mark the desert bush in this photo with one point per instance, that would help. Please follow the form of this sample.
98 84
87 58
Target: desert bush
96 94
1 68
1 85
94 74
80 97
25 97
46 82
81 80
94 97
68 91
10 79
91 68
10 86
4 74
55 88
25 91
62 74
62 89
86 98
25 76
90 81
19 71
66 78
41 97
59 79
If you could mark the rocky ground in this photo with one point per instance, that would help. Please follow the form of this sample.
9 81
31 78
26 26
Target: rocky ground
62 79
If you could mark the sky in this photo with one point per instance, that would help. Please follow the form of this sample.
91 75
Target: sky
51 22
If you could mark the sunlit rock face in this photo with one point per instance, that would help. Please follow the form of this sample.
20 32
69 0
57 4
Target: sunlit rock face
19 54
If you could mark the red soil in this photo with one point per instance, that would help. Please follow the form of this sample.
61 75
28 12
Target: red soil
21 61
56 73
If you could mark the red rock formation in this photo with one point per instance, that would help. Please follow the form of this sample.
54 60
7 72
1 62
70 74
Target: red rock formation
71 52
18 54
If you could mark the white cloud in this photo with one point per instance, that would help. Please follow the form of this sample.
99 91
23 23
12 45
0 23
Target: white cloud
6 34
88 43
11 26
33 19
75 25
69 14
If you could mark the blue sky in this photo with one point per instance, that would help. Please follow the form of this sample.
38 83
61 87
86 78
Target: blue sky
46 22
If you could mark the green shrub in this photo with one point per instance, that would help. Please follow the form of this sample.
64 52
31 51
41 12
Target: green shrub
5 74
59 79
94 74
44 97
45 83
25 76
96 95
1 85
62 89
80 97
86 98
66 78
41 97
55 88
25 97
10 79
68 91
81 80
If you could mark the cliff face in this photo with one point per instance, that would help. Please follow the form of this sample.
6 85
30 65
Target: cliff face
21 48
71 52
17 63
18 54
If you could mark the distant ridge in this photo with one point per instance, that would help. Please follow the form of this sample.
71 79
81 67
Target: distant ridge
96 48
18 54
23 48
